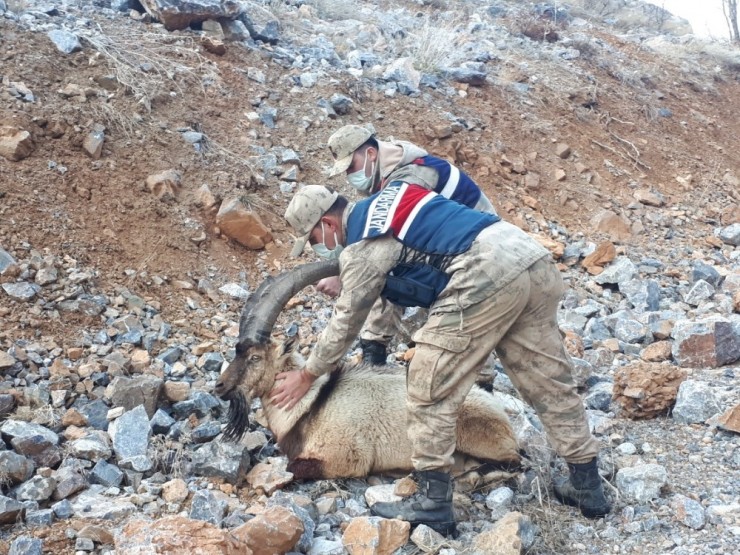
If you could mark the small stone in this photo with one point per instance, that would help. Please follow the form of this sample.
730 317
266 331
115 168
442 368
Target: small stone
562 150
207 507
270 476
688 512
165 185
696 403
375 535
93 143
21 291
642 483
242 225
175 491
26 545
277 530
514 534
65 41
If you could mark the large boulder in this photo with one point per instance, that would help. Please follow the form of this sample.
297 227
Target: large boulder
178 14
646 390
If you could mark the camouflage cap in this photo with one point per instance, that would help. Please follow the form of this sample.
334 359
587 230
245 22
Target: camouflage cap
305 210
343 144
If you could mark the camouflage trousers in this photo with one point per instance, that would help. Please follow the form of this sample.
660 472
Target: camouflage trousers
383 321
519 322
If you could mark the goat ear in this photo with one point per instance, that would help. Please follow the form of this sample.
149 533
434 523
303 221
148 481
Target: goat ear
289 345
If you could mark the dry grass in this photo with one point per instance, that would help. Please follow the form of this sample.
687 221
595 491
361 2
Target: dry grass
437 45
149 65
169 456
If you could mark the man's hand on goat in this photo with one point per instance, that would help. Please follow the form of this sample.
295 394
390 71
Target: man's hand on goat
291 388
330 286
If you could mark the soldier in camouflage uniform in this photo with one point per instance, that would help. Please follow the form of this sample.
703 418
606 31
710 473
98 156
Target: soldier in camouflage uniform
488 286
370 164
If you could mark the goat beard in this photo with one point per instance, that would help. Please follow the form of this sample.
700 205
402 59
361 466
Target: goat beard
238 417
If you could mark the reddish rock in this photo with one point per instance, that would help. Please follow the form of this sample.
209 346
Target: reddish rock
175 535
707 343
375 536
15 143
276 530
573 344
657 352
165 185
270 476
594 263
617 227
730 420
242 225
646 390
505 537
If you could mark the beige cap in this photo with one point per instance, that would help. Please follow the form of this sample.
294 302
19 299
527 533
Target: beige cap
343 144
305 210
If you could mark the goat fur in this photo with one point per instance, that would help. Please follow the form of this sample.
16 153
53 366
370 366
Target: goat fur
352 423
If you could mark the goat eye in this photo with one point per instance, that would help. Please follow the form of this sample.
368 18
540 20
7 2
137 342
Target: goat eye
255 358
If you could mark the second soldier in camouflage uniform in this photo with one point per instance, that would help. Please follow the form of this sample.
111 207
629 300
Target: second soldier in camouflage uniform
370 164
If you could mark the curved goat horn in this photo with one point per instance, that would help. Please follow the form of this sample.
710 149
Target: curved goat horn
264 305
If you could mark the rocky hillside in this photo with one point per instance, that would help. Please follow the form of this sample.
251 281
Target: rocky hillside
147 153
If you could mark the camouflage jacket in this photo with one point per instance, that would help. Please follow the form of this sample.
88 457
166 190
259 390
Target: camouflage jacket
498 255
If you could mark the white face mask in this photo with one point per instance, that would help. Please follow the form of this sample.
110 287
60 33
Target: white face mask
323 251
359 180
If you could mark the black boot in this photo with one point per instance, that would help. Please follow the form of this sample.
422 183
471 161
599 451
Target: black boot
584 490
430 505
373 352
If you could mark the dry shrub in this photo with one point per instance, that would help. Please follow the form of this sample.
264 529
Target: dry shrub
538 29
436 45
149 64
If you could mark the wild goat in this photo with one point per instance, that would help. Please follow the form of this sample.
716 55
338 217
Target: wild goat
352 422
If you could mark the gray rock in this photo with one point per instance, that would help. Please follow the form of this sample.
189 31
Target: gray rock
730 234
696 403
192 137
6 260
132 392
201 404
234 30
340 104
65 41
45 276
176 14
93 504
701 270
322 546
206 432
69 481
470 76
206 506
261 23
599 397
41 517
499 502
92 447
688 512
63 509
26 545
21 291
84 544
32 440
37 488
16 467
106 474
630 331
170 355
161 422
96 414
234 290
221 460
10 510
124 5
643 295
130 434
620 271
700 292
211 362
641 483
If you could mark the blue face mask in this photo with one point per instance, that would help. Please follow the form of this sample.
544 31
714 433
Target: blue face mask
323 252
359 180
